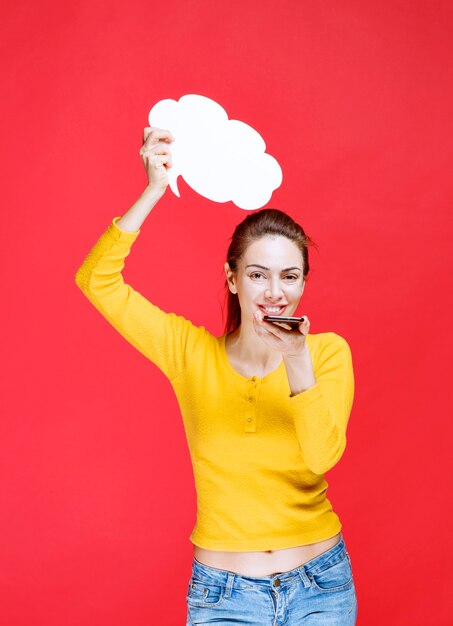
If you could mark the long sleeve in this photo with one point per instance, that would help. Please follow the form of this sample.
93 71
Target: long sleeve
321 413
167 339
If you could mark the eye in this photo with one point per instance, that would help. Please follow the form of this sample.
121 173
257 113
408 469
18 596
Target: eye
291 276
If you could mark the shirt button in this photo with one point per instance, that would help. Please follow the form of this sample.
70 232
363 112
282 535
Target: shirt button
250 399
249 419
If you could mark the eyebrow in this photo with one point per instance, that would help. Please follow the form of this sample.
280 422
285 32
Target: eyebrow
268 269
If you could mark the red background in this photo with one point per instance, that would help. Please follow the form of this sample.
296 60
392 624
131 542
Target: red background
354 99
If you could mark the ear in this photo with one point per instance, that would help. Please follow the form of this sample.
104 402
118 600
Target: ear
230 278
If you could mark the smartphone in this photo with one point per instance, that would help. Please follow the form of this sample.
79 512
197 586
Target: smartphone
292 322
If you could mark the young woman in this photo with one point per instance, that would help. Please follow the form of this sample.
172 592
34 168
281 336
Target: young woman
265 411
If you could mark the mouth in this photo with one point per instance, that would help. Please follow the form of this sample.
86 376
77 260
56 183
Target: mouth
273 310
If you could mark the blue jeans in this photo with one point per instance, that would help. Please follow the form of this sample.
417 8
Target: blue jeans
321 592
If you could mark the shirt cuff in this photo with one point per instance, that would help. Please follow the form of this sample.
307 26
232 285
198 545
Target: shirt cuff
307 397
123 232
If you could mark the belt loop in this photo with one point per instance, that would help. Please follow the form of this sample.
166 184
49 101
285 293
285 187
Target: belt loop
229 584
304 577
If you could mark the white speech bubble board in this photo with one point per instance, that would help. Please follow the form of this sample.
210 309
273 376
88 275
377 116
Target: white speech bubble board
219 158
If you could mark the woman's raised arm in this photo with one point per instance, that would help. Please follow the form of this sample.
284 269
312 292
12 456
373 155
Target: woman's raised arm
156 156
167 339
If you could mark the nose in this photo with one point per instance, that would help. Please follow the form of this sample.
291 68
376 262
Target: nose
274 292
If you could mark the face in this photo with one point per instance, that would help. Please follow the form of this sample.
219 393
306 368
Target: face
269 275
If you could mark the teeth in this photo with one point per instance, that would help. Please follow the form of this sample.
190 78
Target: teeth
274 309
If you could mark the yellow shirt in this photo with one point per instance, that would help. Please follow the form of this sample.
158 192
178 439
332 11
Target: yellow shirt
258 454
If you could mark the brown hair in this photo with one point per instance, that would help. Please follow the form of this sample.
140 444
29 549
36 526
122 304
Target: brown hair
253 227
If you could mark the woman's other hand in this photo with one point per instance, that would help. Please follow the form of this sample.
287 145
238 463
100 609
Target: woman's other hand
289 342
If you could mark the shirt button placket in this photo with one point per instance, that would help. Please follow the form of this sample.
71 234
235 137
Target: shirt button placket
250 411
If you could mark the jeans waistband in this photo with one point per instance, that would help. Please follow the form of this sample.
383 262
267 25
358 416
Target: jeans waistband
317 564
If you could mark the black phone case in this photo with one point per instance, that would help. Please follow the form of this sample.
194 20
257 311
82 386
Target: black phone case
292 322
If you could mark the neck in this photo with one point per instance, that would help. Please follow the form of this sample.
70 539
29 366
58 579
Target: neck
250 348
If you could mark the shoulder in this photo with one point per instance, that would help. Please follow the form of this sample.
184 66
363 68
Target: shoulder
322 340
329 344
334 339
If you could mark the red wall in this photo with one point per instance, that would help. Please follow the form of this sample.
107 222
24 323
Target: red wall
354 99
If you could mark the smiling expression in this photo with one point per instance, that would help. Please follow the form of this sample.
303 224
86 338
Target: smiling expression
269 275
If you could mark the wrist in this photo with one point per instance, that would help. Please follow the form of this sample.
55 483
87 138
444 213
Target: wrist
302 355
155 192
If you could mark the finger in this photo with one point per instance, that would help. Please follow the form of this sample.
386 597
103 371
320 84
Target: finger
259 316
264 327
305 325
281 330
159 148
155 160
270 327
153 135
273 326
165 159
146 132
